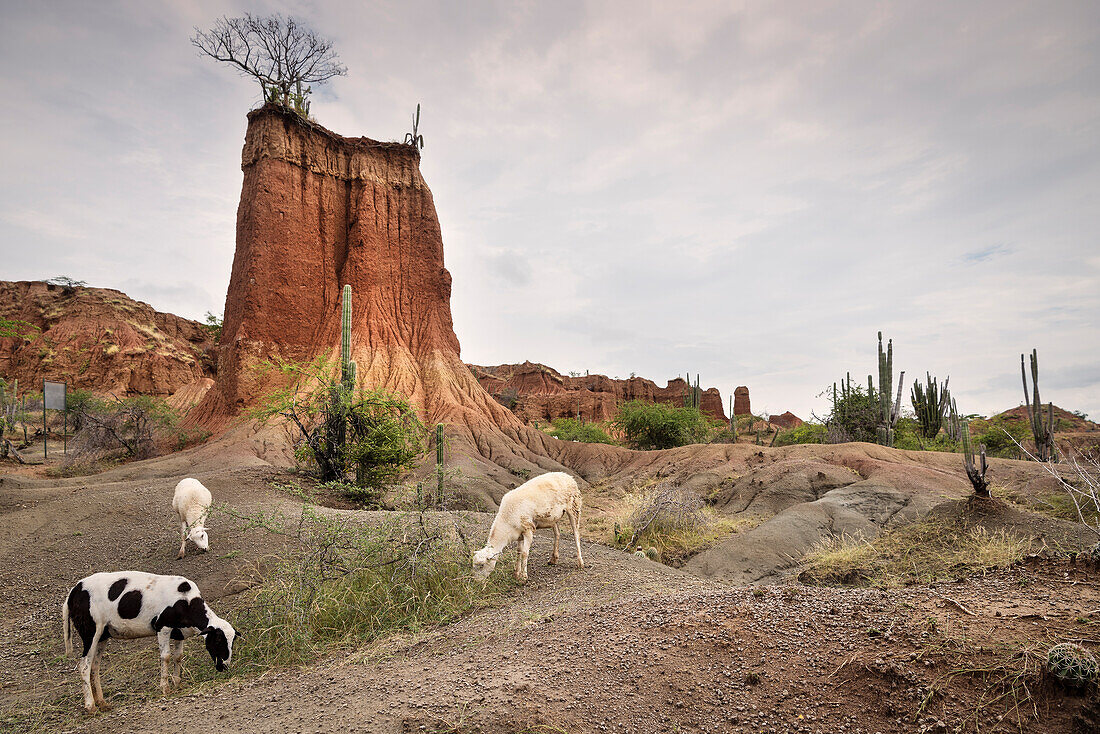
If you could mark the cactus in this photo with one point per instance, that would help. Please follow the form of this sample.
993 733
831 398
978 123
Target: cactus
652 554
976 473
414 139
439 463
930 404
887 414
693 394
1072 664
347 370
1042 431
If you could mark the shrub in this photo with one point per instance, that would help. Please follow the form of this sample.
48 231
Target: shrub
114 428
672 521
571 429
853 415
997 443
805 433
646 425
374 434
346 583
214 326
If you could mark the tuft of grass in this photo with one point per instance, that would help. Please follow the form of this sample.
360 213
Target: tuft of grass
674 521
920 553
571 429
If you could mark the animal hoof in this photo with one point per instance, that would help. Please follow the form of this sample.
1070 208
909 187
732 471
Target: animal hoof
91 709
180 555
552 562
104 706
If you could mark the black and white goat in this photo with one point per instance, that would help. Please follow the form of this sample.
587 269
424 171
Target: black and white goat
127 605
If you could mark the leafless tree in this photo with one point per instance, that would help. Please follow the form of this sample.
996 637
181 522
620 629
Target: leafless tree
282 54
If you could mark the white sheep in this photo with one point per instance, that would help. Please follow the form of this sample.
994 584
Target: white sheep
537 503
192 503
131 604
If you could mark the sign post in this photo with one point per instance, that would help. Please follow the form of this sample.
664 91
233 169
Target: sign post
53 398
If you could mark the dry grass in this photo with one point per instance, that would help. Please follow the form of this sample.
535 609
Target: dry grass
674 521
921 553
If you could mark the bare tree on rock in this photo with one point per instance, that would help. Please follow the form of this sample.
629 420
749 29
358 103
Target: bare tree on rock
285 56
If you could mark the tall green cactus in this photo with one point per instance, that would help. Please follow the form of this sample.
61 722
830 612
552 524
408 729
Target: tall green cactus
347 365
930 404
887 414
975 472
439 463
1042 431
693 394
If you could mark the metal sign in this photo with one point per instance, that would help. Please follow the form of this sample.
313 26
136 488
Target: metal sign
54 395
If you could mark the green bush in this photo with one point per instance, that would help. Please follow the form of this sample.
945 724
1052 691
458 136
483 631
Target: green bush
805 433
999 444
571 429
647 425
854 416
373 434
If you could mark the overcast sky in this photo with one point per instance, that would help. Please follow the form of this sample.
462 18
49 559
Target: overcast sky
744 190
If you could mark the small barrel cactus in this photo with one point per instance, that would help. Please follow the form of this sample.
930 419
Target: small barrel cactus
1072 664
652 554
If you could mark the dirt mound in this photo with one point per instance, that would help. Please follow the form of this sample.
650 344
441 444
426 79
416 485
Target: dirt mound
1064 421
535 392
101 340
806 494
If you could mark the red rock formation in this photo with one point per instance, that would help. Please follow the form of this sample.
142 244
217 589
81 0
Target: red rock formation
786 420
741 404
101 340
319 211
535 392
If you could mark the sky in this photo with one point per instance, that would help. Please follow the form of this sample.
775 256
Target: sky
748 191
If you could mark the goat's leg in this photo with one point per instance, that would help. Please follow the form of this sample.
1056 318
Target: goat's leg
554 553
524 551
97 688
85 668
183 540
575 521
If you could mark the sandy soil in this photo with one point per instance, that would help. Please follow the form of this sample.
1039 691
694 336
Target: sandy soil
626 645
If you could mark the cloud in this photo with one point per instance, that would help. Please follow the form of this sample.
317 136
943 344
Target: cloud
750 191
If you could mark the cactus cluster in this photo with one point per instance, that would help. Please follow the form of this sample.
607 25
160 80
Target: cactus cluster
887 412
1072 664
1093 553
1042 427
693 397
930 403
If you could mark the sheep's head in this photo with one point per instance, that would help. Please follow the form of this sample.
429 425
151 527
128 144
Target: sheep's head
220 636
484 560
199 538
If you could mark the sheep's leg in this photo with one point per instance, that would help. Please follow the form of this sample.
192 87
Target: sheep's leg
575 521
183 540
554 553
176 658
85 668
165 641
524 551
97 688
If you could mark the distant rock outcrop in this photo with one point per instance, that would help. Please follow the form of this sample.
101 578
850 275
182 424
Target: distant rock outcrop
786 420
535 392
741 405
100 340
